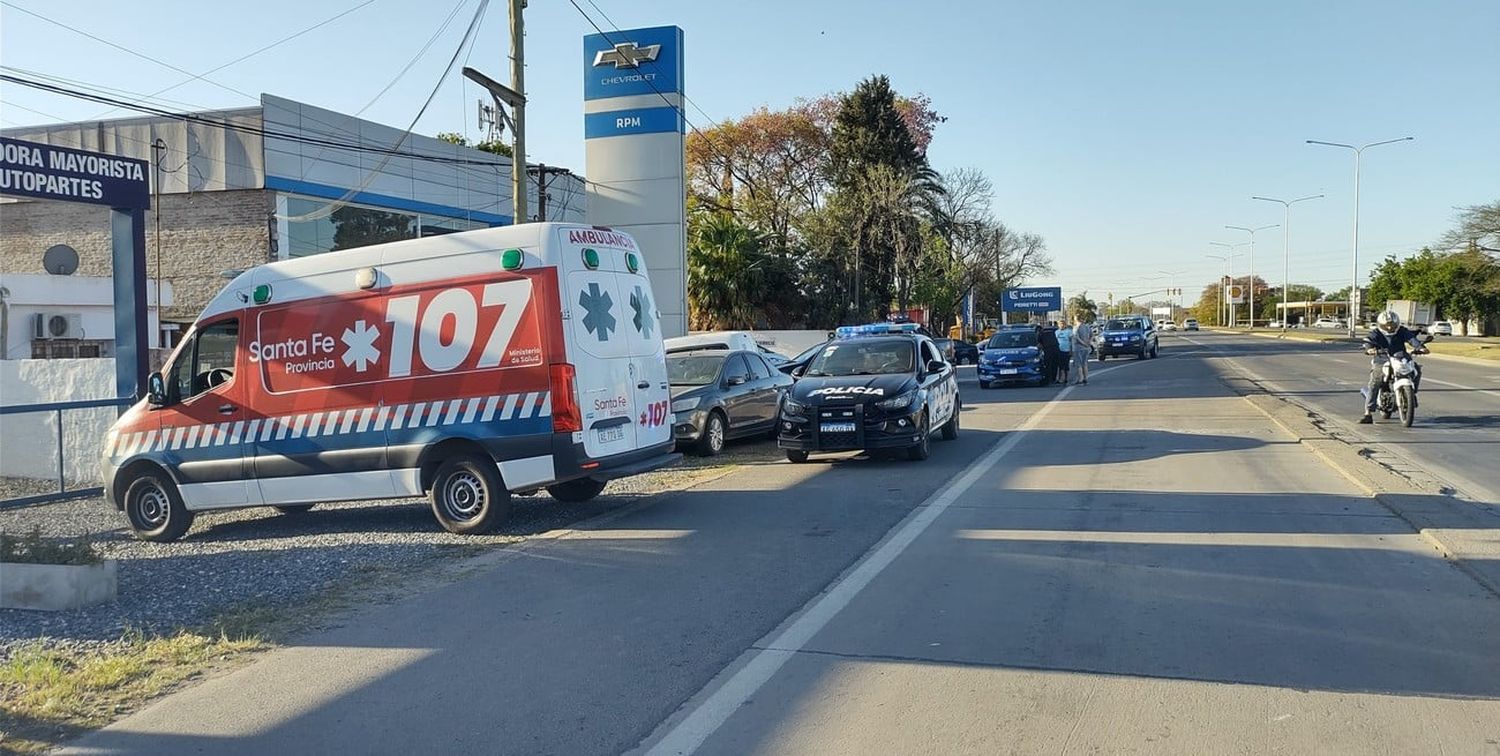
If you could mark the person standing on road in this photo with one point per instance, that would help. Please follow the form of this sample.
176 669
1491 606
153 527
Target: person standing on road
1083 347
1046 337
1064 352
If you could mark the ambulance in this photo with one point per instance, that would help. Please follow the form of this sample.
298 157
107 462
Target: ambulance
466 368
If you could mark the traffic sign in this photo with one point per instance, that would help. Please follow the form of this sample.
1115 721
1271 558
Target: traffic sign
1032 299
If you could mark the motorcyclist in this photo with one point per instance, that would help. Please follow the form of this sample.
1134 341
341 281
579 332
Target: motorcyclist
1394 339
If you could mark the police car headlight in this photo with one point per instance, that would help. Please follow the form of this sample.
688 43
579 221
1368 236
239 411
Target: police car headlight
791 407
898 402
687 405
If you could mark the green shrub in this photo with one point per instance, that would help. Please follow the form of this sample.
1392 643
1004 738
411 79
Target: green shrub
33 549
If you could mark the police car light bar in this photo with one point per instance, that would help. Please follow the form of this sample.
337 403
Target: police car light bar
844 332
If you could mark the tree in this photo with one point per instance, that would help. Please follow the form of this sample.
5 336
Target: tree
1080 307
724 273
869 131
493 146
1340 295
361 226
1478 225
769 167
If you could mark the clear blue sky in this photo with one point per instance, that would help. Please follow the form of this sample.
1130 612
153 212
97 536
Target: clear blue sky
1127 134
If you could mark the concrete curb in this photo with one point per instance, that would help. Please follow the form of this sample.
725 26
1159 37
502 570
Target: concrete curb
1454 527
1345 340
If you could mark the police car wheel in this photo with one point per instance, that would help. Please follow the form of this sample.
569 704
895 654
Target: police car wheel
714 432
154 509
294 508
923 448
796 456
950 428
467 495
576 491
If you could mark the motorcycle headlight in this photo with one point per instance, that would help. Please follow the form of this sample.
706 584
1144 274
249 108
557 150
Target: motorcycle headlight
687 405
792 407
898 402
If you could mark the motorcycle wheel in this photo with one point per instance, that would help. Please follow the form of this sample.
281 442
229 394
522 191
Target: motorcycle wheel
1407 402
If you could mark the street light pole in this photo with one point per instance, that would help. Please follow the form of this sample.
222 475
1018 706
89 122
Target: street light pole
1252 231
1354 257
1286 246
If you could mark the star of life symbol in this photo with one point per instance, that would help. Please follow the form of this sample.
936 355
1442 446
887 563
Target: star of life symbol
597 304
640 301
627 55
361 351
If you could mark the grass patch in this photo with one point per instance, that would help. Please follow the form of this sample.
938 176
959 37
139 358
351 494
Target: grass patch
33 549
48 695
1473 350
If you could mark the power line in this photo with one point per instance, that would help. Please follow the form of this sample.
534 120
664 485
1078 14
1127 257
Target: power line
251 54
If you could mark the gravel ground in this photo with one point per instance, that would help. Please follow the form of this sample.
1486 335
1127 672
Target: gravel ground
260 558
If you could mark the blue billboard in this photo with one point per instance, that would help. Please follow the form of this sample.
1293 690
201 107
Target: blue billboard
44 171
1032 299
633 62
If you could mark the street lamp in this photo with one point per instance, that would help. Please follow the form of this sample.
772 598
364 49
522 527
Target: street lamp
1286 245
1354 258
1252 265
1228 259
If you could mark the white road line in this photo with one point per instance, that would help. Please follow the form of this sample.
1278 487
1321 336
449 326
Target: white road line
778 647
1491 392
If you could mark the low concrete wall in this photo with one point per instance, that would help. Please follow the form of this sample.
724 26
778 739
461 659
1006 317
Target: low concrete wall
57 587
789 343
28 442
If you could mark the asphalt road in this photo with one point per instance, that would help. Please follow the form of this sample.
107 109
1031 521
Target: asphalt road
1141 564
1456 436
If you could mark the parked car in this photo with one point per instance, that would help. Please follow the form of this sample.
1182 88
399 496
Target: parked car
958 351
738 340
1191 324
793 364
718 395
1166 325
1441 328
1327 322
1130 334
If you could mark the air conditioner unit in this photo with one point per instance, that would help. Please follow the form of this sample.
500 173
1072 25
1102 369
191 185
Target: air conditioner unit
50 326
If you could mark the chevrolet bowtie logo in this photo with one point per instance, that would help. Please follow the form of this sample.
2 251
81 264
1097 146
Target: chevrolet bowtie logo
627 55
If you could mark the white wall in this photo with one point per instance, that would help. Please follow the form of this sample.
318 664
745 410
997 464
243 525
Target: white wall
28 443
92 297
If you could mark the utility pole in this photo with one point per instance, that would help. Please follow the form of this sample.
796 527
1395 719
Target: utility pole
545 175
518 110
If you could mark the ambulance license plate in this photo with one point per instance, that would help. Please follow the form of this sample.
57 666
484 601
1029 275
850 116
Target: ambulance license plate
611 434
838 427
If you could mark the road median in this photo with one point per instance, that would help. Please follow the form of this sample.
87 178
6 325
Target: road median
1466 533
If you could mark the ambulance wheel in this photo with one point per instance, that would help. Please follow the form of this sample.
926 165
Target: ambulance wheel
922 449
714 433
467 495
796 456
576 491
154 508
294 508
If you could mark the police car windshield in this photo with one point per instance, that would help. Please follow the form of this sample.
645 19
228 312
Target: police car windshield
1123 325
864 357
1012 340
693 369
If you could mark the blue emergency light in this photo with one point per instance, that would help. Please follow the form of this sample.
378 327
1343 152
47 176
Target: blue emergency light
874 329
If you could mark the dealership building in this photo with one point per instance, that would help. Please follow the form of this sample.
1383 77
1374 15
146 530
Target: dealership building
234 189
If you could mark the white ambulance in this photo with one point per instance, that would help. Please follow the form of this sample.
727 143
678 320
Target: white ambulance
466 367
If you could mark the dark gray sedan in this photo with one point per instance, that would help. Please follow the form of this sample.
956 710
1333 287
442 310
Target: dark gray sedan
718 395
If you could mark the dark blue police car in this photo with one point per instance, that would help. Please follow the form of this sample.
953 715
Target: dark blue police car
880 386
1012 355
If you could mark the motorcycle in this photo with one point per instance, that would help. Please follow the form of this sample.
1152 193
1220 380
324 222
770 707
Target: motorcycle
1398 384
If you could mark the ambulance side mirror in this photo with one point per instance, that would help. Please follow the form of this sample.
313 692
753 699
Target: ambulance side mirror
156 391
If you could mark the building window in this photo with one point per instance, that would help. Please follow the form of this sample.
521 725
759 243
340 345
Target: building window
67 349
353 226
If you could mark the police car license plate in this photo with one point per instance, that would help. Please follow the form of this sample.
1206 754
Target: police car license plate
838 427
1008 371
611 434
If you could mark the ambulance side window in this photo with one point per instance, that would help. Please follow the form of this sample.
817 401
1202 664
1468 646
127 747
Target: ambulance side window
207 362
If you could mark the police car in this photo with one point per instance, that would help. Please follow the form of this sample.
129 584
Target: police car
878 386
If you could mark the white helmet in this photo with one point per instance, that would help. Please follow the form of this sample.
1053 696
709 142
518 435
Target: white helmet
1388 321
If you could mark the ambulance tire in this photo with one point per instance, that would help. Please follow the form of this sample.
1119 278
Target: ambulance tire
154 508
576 491
468 497
291 509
